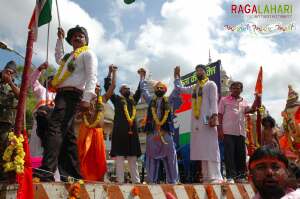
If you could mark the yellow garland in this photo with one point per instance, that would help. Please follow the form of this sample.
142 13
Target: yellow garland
197 100
125 108
158 122
15 146
56 81
98 117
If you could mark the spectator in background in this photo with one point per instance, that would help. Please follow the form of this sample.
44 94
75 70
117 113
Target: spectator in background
269 134
9 93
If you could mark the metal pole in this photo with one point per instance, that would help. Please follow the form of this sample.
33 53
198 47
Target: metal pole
5 47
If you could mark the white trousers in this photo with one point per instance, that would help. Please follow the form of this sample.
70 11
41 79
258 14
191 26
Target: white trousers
211 170
133 167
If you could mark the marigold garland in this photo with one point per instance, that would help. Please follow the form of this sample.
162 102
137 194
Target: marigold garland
74 191
159 123
135 191
15 148
129 118
196 99
98 117
70 68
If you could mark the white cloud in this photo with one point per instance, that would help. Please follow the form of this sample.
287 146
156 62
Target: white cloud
185 35
182 37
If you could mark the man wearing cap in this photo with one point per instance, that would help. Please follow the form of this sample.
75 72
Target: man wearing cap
9 93
74 83
269 171
125 140
159 128
204 137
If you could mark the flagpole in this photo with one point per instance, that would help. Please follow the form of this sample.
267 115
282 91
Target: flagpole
19 125
59 24
258 121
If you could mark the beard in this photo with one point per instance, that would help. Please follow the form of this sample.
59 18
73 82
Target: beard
126 94
159 93
270 192
200 77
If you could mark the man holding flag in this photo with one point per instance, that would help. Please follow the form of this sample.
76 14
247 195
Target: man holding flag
75 83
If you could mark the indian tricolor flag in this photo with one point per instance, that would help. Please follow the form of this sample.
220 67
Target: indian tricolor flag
183 119
40 16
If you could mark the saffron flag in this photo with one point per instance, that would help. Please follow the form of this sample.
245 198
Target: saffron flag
25 190
41 15
258 86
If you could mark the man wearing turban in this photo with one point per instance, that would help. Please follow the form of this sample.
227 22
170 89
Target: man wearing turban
159 127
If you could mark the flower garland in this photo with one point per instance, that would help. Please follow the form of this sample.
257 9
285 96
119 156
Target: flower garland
135 191
15 147
70 68
74 191
159 123
99 114
129 118
197 98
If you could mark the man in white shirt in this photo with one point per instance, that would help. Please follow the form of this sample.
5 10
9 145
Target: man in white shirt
75 85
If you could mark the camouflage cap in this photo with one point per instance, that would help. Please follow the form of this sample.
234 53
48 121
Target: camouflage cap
11 65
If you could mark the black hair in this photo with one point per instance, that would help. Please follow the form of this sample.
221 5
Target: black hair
268 119
237 83
200 66
266 151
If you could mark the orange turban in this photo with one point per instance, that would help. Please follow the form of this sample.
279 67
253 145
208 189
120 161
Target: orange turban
160 84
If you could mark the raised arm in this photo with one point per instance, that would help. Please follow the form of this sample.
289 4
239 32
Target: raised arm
177 83
112 86
255 105
143 86
107 83
59 45
175 99
37 88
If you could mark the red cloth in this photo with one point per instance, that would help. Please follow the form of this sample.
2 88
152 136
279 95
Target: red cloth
25 190
91 151
259 86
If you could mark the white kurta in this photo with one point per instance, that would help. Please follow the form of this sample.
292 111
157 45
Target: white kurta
204 139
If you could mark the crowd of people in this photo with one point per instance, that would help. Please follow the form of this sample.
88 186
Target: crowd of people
74 94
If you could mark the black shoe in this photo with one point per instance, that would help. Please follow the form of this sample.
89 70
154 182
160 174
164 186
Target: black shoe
43 176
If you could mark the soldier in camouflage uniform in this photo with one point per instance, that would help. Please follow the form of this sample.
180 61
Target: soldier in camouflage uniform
9 93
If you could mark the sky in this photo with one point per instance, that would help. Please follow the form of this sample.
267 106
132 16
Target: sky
162 34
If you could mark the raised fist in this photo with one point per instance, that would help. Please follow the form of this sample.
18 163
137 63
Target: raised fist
43 66
60 33
142 73
177 71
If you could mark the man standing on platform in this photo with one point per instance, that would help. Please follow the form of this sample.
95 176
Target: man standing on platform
9 93
159 128
125 140
75 83
232 111
204 136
